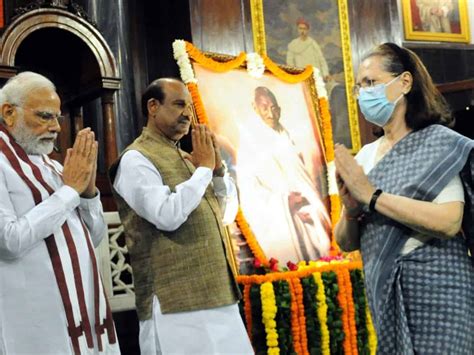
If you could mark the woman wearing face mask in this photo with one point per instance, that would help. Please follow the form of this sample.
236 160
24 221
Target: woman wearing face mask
408 206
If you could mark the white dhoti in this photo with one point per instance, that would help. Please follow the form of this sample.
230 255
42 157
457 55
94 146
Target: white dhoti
211 331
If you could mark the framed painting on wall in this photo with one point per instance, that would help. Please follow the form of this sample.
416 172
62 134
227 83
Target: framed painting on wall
436 20
307 32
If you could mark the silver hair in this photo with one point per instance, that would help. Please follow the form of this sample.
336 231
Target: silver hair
17 88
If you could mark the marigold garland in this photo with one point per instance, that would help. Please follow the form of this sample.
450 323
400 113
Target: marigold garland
278 276
259 342
298 291
250 238
350 311
371 331
295 323
198 105
269 310
322 313
210 63
341 298
283 75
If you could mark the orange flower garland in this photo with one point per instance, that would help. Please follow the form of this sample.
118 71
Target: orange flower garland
210 63
279 276
295 324
283 75
352 335
250 238
248 310
341 298
198 105
298 290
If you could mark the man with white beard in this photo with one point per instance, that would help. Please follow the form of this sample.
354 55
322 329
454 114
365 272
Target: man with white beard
51 297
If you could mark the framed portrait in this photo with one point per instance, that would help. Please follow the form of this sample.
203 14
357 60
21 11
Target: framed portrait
274 139
436 20
307 32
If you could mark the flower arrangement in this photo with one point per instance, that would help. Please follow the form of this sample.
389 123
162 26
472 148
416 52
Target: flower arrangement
321 308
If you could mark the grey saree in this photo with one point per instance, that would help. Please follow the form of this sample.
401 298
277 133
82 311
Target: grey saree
421 302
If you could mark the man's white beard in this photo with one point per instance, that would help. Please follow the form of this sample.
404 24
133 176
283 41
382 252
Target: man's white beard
30 142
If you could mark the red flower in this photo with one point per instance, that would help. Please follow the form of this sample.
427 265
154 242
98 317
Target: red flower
273 264
273 261
292 266
257 263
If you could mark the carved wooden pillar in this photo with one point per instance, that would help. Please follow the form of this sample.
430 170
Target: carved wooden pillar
109 126
77 119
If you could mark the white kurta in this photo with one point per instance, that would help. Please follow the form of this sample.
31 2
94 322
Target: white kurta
32 317
213 331
306 52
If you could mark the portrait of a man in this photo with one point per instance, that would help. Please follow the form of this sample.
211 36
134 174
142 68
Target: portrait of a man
304 50
301 33
436 20
295 225
436 16
270 138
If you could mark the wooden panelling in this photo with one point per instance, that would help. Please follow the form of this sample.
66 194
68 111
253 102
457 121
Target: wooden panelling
221 26
371 22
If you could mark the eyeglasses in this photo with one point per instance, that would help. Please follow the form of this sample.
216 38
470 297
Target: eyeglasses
45 117
356 88
367 83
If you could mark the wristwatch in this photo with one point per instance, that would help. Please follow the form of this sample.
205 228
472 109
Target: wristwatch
220 172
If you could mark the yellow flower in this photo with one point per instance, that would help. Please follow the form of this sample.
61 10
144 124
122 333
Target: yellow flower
371 331
322 313
269 310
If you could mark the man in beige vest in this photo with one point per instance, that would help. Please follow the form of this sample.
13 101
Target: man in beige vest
172 206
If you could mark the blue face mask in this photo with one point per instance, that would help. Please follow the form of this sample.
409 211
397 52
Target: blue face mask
374 104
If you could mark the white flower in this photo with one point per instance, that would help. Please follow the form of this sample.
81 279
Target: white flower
179 48
255 66
320 87
184 64
332 184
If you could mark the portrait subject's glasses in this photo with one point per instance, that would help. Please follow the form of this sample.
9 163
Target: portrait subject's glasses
45 117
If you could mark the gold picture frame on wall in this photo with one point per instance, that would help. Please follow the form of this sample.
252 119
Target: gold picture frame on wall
436 20
277 27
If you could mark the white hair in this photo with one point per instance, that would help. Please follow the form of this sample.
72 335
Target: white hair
17 88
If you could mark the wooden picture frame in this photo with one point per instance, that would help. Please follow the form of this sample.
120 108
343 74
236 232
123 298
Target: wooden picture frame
436 20
275 24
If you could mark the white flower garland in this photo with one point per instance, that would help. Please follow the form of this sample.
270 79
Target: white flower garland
332 184
184 64
255 66
320 86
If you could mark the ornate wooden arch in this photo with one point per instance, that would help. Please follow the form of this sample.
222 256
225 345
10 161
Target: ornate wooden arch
38 19
59 18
